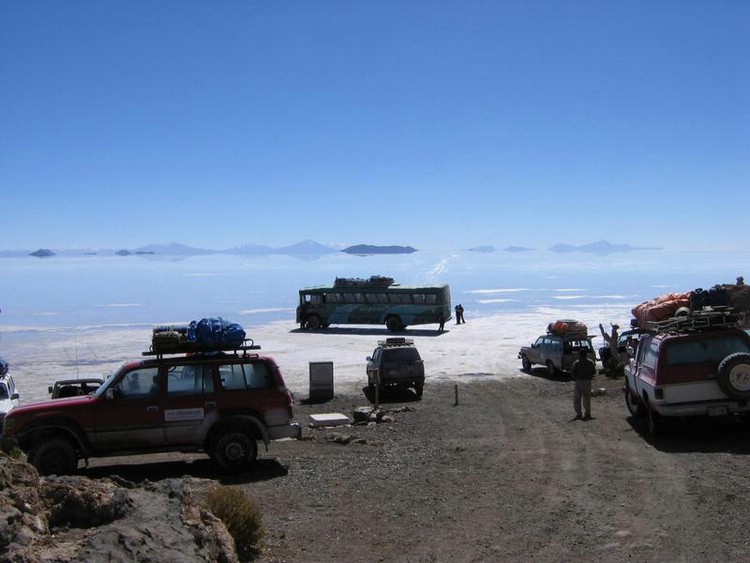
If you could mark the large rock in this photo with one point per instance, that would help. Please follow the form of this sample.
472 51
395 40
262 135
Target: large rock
75 518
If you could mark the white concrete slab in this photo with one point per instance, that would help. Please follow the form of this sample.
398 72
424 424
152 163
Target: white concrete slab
328 419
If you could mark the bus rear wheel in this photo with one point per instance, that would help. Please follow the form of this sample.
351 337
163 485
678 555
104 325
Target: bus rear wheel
394 324
313 322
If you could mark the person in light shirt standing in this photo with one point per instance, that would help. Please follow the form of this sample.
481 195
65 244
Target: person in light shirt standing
583 372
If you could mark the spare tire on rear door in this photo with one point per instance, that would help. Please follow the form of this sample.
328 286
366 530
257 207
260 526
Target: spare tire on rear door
734 375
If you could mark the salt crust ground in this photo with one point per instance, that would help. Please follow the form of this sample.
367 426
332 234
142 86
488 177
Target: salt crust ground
483 347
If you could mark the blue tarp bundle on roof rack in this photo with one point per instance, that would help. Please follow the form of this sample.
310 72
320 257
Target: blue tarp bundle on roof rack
199 336
215 332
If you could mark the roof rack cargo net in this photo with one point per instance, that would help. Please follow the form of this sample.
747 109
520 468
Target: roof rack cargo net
382 281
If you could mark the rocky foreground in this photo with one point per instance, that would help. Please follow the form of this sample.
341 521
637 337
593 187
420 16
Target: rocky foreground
75 518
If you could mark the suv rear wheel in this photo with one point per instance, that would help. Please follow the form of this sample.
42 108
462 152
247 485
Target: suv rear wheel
234 451
55 457
654 422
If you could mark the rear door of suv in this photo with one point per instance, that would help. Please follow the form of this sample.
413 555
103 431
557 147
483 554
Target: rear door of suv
190 401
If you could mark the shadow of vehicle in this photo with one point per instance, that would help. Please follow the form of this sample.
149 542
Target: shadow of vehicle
371 331
697 434
263 470
394 394
543 373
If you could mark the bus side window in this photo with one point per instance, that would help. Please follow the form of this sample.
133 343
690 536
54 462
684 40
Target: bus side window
382 298
431 299
348 297
371 297
395 298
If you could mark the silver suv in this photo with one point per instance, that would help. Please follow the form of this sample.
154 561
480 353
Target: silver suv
557 353
396 363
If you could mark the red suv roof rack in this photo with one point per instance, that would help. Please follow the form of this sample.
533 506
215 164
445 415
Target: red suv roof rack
194 348
705 319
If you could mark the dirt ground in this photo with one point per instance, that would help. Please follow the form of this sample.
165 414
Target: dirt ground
504 475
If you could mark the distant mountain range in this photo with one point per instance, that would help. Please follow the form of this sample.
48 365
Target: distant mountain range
602 247
306 248
599 247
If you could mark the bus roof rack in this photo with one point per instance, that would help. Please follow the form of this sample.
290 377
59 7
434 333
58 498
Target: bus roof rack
380 281
705 319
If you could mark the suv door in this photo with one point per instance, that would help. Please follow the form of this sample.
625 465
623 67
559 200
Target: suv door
189 402
535 351
129 416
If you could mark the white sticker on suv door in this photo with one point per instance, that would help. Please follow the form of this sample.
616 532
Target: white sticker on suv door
178 415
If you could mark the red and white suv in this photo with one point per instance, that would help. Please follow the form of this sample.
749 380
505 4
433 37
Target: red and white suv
221 403
691 366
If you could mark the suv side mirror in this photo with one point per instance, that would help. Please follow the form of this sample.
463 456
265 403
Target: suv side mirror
368 358
14 397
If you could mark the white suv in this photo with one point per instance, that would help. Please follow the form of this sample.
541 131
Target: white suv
8 392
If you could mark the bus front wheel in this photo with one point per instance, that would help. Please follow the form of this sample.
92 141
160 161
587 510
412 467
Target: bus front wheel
394 324
313 322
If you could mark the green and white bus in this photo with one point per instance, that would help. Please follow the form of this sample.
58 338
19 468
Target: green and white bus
376 300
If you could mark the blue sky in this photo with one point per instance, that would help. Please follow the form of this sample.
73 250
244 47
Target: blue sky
438 124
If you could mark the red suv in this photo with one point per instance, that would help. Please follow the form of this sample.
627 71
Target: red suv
220 403
691 366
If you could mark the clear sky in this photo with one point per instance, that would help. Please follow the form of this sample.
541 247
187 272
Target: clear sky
431 123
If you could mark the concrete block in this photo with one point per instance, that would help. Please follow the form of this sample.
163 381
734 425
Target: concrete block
328 419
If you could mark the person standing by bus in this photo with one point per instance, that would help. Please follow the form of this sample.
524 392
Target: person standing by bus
460 314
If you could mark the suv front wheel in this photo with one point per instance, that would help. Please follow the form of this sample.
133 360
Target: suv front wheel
234 451
55 457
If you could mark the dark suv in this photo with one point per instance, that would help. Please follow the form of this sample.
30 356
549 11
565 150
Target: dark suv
694 366
396 363
219 402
